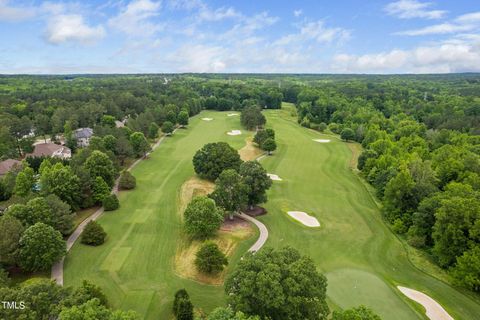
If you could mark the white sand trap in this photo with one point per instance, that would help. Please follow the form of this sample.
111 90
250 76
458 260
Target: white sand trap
232 114
274 177
433 309
304 218
322 140
234 132
207 119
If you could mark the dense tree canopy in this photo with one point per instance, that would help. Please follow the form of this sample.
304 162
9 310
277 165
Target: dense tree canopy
209 259
296 290
231 192
252 117
257 181
40 247
202 218
213 158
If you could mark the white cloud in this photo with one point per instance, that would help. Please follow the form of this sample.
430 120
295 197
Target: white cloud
71 27
443 28
473 17
316 31
134 18
407 9
297 13
458 56
207 14
12 14
199 58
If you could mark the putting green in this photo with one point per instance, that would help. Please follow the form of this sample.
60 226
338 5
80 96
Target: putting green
352 245
361 257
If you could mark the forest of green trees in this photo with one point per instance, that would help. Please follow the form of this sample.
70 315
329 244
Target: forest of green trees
421 152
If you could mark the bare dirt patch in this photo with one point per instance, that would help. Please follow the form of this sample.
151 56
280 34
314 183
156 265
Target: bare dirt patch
255 211
250 151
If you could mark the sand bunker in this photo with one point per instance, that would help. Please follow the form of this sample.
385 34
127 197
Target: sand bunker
232 114
207 119
434 310
234 132
304 218
274 177
322 140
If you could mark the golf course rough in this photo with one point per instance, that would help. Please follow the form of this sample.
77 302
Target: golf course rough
361 258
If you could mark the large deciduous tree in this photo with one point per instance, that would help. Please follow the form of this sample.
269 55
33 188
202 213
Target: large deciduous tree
467 270
252 117
140 144
257 181
100 165
183 118
213 158
357 313
61 181
40 247
231 193
11 231
209 259
182 306
202 218
279 285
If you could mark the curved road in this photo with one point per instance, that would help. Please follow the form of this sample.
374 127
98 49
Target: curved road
57 268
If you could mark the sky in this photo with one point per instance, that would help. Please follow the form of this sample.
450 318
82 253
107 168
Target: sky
261 36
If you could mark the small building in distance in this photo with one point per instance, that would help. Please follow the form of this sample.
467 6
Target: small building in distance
83 135
50 150
7 165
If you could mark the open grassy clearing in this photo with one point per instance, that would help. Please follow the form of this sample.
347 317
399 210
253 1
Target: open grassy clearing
135 265
362 259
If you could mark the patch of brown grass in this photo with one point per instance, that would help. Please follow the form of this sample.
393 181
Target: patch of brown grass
356 150
250 151
227 241
191 188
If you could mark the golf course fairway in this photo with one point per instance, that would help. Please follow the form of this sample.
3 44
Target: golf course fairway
361 257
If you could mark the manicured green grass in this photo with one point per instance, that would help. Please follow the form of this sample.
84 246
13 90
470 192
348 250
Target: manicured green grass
362 259
135 265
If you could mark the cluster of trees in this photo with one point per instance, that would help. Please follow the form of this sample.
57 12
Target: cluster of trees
49 106
43 299
273 284
422 155
238 185
252 118
265 139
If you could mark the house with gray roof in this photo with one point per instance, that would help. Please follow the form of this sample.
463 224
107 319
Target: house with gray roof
83 135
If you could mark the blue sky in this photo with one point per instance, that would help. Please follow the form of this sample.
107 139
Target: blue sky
303 36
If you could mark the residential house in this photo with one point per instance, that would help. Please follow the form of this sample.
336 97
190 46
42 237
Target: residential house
83 136
7 165
50 150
